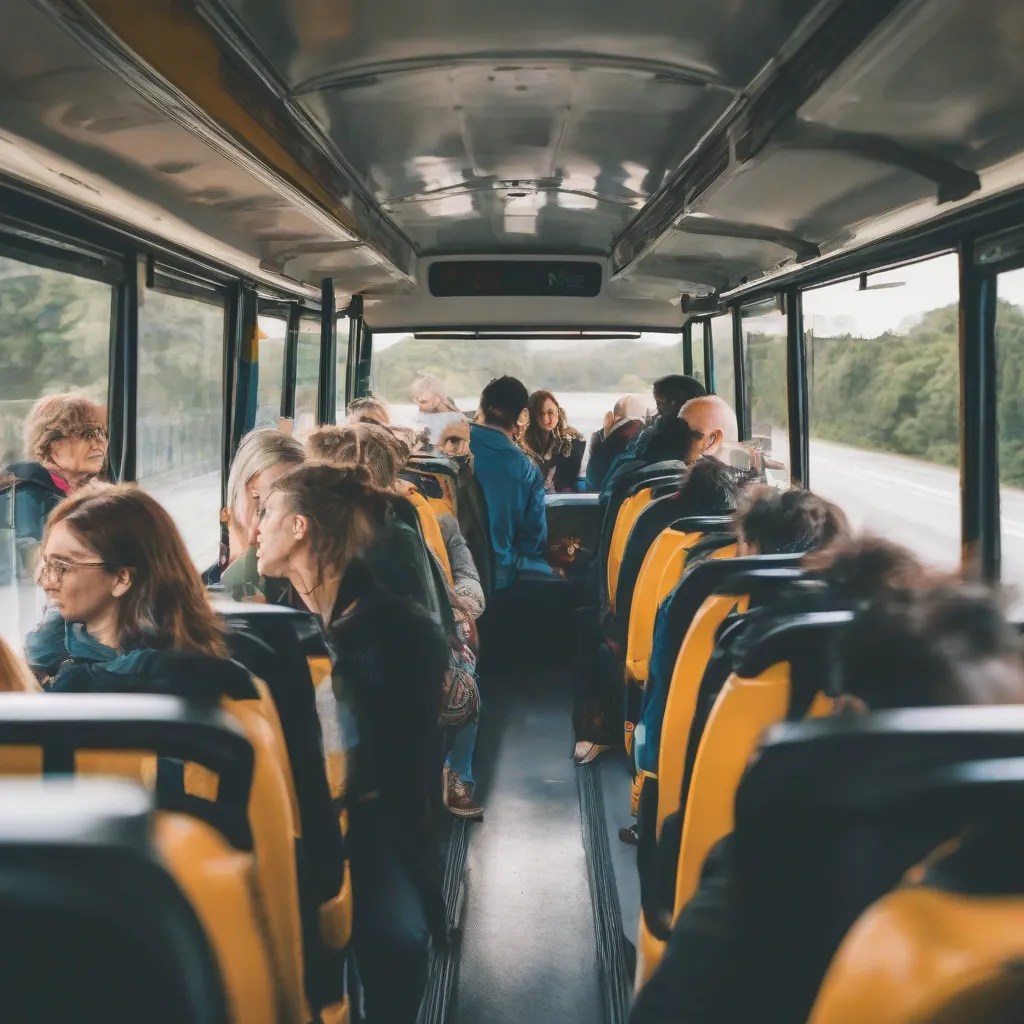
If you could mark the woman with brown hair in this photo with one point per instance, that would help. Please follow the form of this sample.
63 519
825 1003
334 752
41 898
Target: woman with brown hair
391 660
121 586
556 447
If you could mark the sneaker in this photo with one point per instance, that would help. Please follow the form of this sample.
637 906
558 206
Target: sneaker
458 801
586 751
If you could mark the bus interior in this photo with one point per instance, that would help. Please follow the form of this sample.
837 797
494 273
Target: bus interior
224 215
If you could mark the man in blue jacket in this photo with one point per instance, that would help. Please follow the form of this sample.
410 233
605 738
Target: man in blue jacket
512 485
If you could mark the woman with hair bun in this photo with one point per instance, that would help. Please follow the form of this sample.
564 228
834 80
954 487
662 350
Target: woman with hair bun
391 660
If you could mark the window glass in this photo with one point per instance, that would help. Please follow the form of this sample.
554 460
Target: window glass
884 400
721 343
587 375
1010 412
54 338
697 352
764 367
273 331
180 417
342 372
307 377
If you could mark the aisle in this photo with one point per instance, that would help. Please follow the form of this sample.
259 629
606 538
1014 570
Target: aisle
528 944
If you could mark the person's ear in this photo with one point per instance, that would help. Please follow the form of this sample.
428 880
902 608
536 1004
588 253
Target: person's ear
714 440
122 582
300 527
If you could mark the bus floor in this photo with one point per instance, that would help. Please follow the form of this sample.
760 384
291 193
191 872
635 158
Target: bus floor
528 949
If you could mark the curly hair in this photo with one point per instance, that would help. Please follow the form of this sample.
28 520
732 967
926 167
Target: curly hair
63 417
563 435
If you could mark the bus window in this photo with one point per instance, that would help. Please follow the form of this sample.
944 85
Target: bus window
697 353
1010 412
884 400
307 378
586 375
764 366
54 337
273 330
342 366
180 424
721 343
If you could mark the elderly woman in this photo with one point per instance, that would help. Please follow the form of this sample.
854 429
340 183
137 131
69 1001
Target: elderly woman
66 445
435 410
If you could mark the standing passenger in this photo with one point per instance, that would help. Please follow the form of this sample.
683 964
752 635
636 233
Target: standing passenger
556 447
512 485
389 677
434 408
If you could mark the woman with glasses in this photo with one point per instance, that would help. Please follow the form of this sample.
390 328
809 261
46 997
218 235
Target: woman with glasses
122 590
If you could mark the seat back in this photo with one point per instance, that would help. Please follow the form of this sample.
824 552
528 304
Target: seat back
436 478
97 928
432 532
835 811
628 515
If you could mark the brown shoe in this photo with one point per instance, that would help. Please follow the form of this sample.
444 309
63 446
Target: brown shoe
458 800
586 751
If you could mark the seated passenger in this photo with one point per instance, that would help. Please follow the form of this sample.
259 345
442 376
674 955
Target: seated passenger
262 456
713 422
621 427
15 675
123 592
397 555
66 445
917 643
556 447
368 410
512 485
389 678
768 522
454 439
434 409
671 393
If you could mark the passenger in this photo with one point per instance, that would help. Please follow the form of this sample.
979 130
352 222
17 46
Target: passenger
123 591
713 422
454 440
621 427
512 485
774 522
768 522
434 408
66 445
15 676
384 456
262 456
391 661
672 392
918 643
397 556
556 447
368 410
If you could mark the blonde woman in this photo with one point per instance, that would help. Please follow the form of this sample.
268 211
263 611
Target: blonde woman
435 409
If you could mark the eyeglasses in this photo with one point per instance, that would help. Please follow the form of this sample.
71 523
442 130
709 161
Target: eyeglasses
53 570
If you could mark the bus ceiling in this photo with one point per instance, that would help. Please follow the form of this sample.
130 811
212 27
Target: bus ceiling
691 148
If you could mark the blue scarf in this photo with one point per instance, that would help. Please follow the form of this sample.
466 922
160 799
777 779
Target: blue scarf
54 642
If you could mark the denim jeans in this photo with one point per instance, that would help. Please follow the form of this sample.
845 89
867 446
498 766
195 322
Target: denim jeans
460 759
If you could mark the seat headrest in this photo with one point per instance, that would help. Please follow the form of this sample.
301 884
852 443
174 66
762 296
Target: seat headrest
437 464
703 524
791 638
282 628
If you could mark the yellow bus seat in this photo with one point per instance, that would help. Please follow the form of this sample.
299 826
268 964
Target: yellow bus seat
436 478
661 571
123 912
432 532
628 513
207 845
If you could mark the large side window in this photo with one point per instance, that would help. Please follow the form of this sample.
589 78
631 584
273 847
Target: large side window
1010 412
884 397
725 368
764 366
180 417
270 359
342 367
307 377
54 338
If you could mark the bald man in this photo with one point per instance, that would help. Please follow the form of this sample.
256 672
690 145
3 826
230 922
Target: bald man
621 427
713 423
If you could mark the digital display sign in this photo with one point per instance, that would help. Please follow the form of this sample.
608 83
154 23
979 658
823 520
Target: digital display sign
523 278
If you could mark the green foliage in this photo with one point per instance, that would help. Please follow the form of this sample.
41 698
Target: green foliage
467 366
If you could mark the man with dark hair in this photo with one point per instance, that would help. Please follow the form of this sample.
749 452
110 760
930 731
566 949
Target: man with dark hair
918 640
512 485
672 392
774 522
